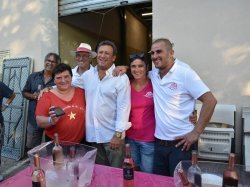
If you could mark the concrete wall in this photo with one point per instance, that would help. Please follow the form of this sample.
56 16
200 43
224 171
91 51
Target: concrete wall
29 29
213 37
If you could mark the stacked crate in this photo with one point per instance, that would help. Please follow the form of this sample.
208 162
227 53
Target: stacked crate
215 143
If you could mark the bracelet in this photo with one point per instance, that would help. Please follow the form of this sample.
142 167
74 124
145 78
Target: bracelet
50 121
6 105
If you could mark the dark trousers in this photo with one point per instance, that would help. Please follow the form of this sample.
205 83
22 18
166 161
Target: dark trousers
107 156
167 156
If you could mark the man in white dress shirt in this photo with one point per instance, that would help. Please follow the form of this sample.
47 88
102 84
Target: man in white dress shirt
107 107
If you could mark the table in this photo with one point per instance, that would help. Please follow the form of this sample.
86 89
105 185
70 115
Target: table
104 176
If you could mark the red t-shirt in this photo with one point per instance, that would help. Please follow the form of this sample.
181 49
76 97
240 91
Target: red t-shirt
71 126
142 115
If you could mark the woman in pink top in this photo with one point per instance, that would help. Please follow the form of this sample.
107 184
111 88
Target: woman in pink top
141 134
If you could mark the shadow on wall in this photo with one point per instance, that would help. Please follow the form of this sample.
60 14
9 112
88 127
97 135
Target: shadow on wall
26 26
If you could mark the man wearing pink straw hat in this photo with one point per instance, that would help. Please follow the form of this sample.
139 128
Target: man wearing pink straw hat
83 56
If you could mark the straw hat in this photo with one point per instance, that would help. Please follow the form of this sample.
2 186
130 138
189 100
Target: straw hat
84 47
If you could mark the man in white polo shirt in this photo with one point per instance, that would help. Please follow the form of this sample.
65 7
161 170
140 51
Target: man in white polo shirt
176 87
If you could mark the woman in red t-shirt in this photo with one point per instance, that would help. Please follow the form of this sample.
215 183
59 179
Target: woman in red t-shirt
70 126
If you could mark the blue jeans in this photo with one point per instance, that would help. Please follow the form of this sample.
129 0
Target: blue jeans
143 154
167 157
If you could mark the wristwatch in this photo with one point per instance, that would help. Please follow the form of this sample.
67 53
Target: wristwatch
118 134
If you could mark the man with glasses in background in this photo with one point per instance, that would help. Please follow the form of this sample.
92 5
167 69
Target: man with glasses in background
36 82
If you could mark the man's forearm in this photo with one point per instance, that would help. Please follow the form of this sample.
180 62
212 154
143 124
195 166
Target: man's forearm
207 109
28 95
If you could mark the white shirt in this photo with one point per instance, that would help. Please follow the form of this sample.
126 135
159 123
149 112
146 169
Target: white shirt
77 79
107 105
174 99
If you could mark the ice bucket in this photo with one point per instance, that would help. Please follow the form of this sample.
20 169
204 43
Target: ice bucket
212 173
65 176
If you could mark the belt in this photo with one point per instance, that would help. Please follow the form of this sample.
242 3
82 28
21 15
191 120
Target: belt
166 142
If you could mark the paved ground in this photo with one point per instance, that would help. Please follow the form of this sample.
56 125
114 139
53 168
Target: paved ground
10 167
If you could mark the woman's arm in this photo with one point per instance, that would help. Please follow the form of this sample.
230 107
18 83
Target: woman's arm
47 121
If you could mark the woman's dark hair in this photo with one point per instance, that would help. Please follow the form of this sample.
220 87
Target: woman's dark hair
56 56
61 68
135 56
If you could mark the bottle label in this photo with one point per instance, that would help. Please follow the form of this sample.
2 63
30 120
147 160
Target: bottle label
36 184
128 173
229 182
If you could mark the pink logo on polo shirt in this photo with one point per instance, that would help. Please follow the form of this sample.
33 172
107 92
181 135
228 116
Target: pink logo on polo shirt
173 86
149 94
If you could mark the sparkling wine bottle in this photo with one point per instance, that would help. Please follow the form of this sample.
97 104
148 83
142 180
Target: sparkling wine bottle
38 176
230 175
194 172
57 153
128 169
184 179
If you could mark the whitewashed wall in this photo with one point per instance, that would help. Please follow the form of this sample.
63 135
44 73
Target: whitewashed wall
214 38
29 28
